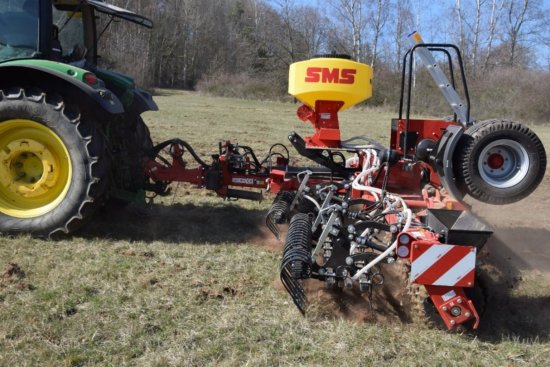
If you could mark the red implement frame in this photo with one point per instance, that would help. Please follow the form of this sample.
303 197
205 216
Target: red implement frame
418 184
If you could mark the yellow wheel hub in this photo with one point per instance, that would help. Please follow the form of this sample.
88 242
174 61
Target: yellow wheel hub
35 169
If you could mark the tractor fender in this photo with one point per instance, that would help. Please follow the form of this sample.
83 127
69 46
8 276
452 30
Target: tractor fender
99 100
443 162
143 101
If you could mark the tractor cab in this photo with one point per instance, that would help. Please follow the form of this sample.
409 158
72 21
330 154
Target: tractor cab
58 30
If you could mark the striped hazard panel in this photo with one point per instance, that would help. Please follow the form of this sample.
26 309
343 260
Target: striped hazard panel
443 265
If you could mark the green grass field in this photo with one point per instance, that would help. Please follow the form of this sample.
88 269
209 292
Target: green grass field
191 279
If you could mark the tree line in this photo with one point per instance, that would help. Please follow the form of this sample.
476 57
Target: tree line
243 48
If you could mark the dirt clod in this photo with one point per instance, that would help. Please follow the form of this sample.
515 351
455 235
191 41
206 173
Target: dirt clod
14 276
13 272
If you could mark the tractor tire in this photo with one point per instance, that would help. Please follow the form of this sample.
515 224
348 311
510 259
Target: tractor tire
135 143
54 170
499 162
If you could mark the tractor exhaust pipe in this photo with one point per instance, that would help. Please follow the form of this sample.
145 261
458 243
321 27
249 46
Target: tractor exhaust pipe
296 263
279 212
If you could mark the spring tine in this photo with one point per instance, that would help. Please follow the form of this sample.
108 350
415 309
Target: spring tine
294 288
296 262
279 212
270 223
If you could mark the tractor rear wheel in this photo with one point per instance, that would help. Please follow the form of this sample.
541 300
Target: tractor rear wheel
53 166
499 162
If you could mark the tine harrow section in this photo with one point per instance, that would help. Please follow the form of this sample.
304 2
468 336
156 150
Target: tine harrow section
296 263
279 212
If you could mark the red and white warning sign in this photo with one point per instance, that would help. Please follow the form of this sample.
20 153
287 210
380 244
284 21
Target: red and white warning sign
443 265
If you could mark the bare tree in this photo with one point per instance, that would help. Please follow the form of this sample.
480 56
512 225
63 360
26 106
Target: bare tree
286 13
350 14
523 20
496 9
403 25
377 21
460 21
311 26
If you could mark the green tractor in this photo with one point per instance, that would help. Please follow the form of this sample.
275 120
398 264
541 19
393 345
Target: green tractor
71 135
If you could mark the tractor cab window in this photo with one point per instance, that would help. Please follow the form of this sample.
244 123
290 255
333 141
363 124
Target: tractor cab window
19 33
68 44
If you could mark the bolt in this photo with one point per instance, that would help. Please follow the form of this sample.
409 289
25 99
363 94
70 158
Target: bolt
453 322
469 284
348 283
467 314
444 308
459 301
18 164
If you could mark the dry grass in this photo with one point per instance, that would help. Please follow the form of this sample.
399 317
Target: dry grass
190 280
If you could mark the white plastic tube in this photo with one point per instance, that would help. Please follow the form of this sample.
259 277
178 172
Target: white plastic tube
384 254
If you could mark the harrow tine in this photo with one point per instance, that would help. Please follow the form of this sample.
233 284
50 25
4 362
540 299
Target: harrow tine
279 212
270 223
295 290
297 261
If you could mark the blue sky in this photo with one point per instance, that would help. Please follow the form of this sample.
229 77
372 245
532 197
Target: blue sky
433 26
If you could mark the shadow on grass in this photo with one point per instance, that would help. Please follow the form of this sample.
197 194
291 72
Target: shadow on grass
509 316
178 223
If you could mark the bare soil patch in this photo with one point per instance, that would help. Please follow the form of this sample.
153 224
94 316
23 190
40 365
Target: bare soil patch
13 275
